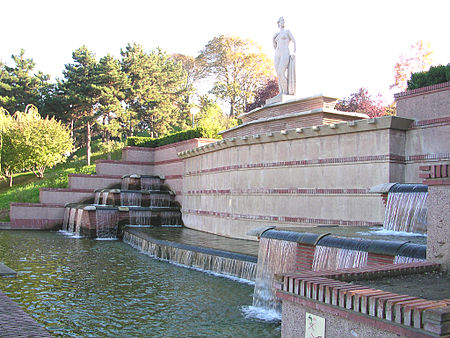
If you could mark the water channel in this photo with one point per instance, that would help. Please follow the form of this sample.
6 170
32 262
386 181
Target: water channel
78 287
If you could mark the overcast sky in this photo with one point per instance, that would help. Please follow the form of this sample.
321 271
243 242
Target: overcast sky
341 45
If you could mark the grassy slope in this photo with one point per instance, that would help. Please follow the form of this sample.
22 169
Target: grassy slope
26 185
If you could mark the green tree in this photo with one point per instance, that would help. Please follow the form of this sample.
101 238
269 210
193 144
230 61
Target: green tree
212 119
239 67
156 88
19 86
33 143
111 83
81 93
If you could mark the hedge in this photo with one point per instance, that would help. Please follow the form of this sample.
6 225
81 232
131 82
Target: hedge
141 141
435 75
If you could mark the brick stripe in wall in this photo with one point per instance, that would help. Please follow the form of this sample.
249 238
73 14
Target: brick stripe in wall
334 160
278 219
422 123
276 191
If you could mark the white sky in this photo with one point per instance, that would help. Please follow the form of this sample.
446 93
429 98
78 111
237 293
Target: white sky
342 45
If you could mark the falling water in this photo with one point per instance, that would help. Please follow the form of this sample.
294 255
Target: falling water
150 183
330 258
159 200
125 183
128 198
140 217
405 259
79 221
105 195
274 256
66 219
170 218
97 197
200 260
107 223
71 226
405 211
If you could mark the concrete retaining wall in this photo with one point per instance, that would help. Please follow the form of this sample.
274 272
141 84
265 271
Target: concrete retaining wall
313 176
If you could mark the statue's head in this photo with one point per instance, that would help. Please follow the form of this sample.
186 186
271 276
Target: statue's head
280 22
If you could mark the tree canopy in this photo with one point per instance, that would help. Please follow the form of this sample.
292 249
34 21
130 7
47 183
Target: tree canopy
30 142
239 68
19 86
362 102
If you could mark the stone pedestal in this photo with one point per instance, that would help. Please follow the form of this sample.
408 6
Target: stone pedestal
284 112
438 214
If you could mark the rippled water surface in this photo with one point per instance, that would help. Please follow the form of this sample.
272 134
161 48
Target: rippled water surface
82 287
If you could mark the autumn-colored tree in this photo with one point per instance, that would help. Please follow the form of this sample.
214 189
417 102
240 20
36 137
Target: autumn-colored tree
417 59
239 67
362 102
264 93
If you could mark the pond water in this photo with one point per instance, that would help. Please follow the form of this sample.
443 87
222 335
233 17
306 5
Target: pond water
82 287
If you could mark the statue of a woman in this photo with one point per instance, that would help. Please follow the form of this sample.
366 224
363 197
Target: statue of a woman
284 61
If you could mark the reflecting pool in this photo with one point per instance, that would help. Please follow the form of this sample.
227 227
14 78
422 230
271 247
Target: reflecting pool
78 287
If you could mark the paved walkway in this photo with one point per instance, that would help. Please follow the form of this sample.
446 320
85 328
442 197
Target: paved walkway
14 322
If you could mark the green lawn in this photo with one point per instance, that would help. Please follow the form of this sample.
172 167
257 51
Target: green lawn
26 185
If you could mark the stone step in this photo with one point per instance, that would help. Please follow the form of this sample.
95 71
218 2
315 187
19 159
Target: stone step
36 216
112 168
93 182
62 195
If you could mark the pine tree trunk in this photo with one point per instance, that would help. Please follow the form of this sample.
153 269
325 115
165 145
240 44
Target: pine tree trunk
88 143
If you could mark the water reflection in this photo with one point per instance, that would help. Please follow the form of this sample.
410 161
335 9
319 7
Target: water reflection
82 287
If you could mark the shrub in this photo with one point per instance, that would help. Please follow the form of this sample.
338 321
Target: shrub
435 75
140 141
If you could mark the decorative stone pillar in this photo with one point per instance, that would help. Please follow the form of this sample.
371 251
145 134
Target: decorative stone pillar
437 177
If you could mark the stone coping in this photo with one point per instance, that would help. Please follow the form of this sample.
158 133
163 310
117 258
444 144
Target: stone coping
297 114
171 145
385 122
6 271
14 322
336 289
423 90
36 205
95 176
66 190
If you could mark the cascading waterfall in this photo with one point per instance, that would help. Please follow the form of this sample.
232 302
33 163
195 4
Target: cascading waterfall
78 221
130 198
170 218
200 260
405 259
159 200
405 208
105 195
140 217
71 225
150 183
97 197
66 219
274 256
107 221
330 258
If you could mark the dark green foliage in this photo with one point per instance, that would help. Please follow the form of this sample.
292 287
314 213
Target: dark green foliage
19 87
435 75
141 141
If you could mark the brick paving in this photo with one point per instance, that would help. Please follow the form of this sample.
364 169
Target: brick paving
14 322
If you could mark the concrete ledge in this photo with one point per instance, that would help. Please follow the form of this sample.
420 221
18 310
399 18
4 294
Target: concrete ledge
6 271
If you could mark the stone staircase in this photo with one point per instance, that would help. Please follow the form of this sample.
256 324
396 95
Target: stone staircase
49 213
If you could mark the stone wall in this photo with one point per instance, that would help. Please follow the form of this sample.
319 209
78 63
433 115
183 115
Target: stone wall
311 176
